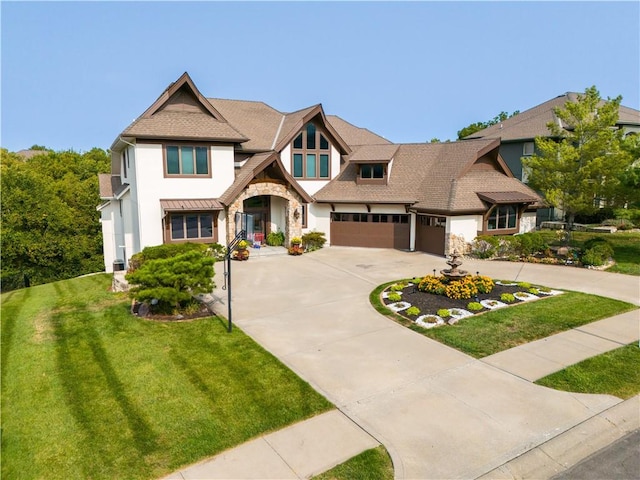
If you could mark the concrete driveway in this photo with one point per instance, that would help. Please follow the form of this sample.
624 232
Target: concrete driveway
439 413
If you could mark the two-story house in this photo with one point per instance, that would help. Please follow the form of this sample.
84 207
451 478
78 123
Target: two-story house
517 136
187 167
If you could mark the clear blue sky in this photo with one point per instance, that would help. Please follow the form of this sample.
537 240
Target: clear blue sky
74 75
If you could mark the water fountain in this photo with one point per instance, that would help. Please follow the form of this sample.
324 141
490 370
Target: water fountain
453 273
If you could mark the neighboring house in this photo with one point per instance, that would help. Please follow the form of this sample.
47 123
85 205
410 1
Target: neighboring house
517 135
187 167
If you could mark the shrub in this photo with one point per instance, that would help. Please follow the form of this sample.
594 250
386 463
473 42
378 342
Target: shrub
394 297
396 287
166 250
461 289
172 281
484 246
507 298
530 243
631 214
431 284
474 306
508 246
296 241
483 283
413 311
534 291
443 313
313 240
217 251
597 255
275 239
525 285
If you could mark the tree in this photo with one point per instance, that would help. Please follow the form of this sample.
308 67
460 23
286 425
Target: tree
578 167
477 126
50 229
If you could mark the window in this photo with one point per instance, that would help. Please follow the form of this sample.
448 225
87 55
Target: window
303 216
186 160
369 218
528 148
192 226
504 217
310 154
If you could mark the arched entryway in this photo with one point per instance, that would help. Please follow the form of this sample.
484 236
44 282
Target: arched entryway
274 208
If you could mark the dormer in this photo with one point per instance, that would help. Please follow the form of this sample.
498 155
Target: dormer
373 164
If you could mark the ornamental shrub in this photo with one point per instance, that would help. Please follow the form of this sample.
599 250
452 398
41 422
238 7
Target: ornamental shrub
394 297
413 311
484 246
172 281
474 306
443 313
166 250
525 285
507 298
396 287
313 240
597 255
275 239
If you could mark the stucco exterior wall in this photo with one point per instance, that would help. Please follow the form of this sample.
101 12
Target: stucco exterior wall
153 186
460 231
528 222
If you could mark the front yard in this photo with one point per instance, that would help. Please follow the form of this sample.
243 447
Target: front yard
89 391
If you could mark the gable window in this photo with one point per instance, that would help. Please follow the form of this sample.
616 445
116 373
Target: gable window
187 160
503 217
372 173
310 154
191 226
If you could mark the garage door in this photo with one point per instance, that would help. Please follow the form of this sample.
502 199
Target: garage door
370 230
430 234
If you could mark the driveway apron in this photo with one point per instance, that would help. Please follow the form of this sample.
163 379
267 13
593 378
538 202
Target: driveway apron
439 413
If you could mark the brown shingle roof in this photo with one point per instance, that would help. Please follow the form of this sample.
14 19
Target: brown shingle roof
353 135
257 121
374 153
187 125
110 185
429 176
532 123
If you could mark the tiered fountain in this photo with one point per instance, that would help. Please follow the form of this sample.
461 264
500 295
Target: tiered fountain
453 273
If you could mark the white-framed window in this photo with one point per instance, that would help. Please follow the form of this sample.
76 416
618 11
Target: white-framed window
528 148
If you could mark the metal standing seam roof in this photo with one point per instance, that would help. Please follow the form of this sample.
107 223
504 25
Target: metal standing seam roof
198 204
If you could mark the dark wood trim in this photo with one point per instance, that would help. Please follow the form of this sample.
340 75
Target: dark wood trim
186 144
166 225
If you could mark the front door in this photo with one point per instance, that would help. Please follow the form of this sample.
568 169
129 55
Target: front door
259 207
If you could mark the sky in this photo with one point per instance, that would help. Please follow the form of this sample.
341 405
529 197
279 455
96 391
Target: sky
76 74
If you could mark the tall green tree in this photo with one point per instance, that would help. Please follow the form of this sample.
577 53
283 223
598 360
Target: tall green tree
49 226
580 166
477 126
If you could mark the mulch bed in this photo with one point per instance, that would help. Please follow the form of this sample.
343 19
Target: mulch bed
143 312
429 303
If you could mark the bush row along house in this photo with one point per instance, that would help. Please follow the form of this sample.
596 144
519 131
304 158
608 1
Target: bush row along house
517 136
185 168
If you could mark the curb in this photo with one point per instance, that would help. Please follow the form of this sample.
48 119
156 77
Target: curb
572 446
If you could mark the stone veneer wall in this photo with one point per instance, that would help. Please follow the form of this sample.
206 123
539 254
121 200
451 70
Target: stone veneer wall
293 228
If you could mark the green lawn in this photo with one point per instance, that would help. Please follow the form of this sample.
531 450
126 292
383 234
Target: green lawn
498 330
373 464
626 248
88 391
614 373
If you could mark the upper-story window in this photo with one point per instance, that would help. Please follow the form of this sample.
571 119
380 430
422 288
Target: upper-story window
311 154
528 148
187 160
372 173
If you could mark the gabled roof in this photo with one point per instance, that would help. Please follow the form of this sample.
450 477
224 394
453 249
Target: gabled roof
436 177
254 166
532 123
182 112
374 153
353 135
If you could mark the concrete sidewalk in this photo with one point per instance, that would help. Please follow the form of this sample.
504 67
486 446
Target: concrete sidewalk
440 413
299 451
540 358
